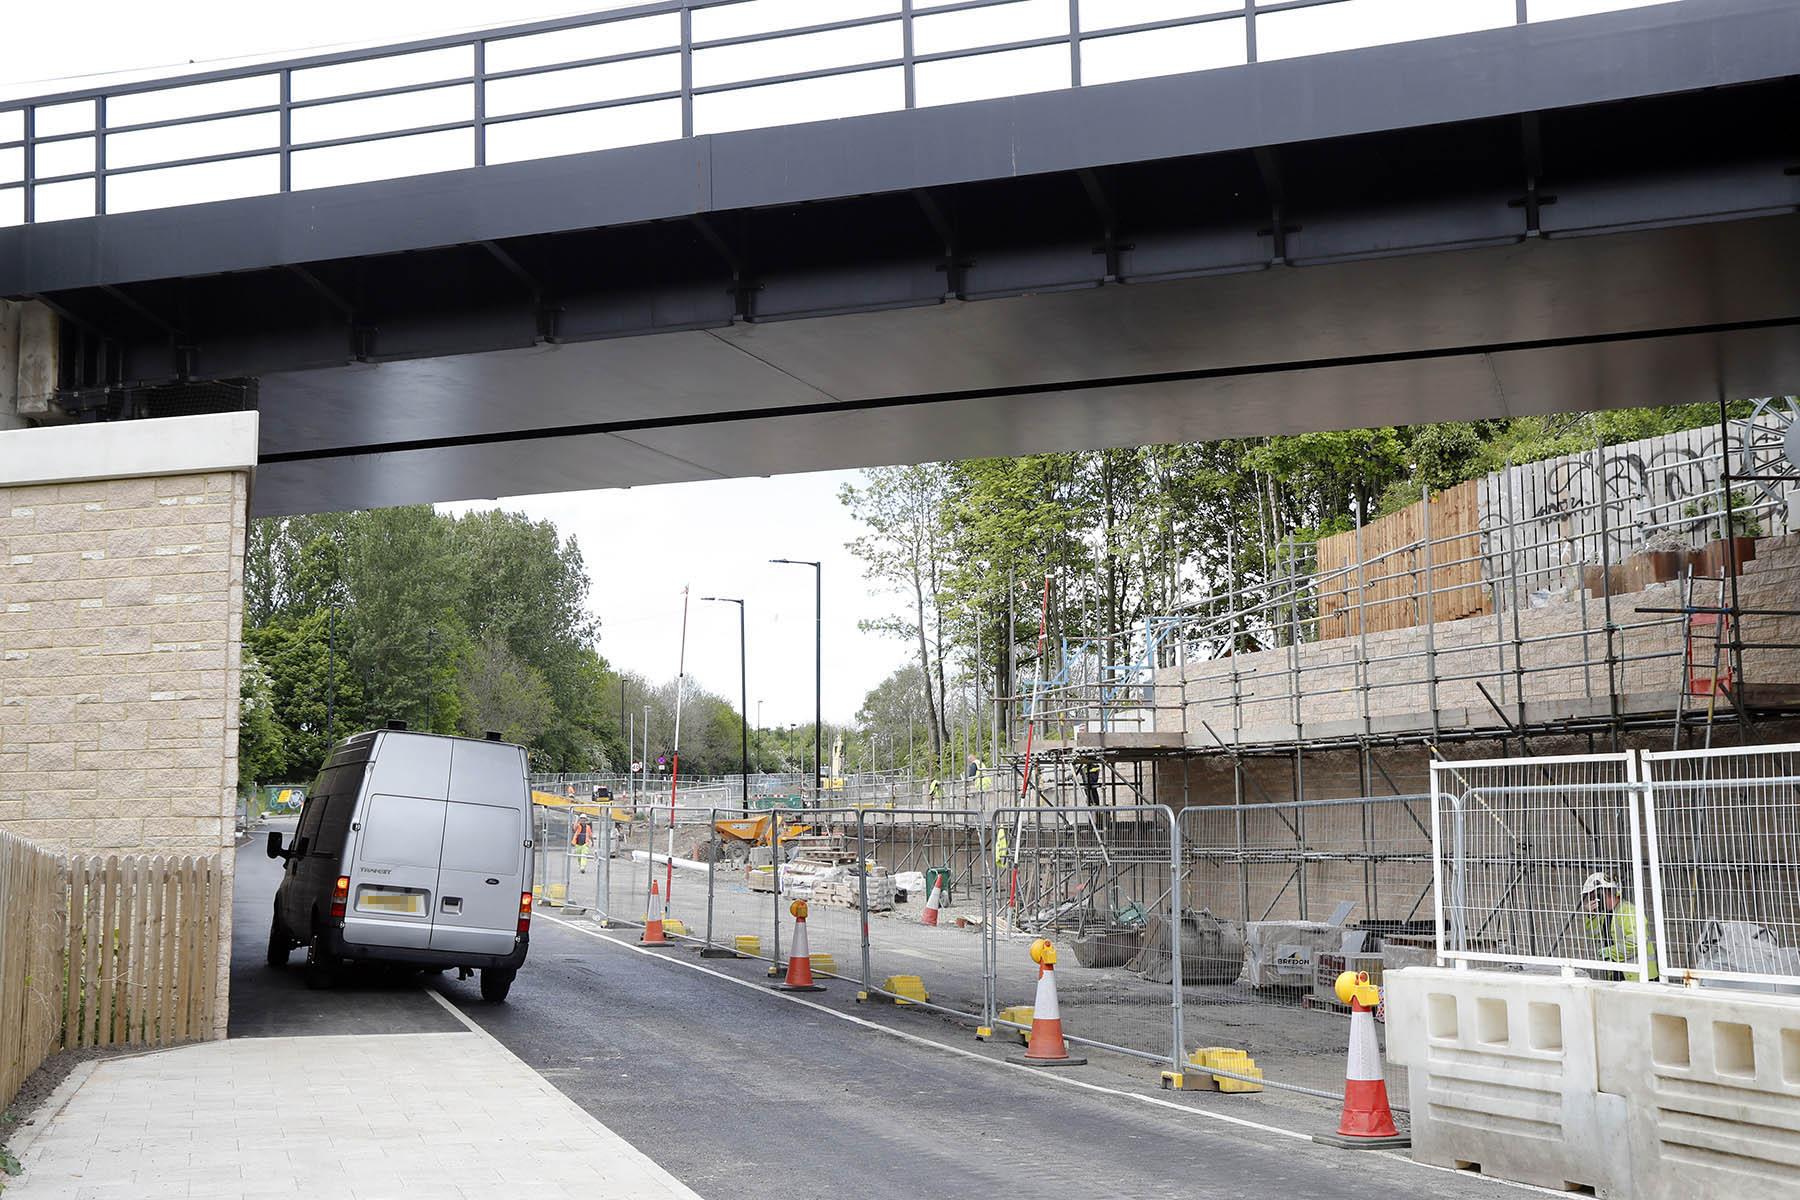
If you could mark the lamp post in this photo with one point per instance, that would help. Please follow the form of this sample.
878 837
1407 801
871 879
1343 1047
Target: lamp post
743 692
818 668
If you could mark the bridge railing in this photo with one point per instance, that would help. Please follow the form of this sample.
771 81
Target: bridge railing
647 73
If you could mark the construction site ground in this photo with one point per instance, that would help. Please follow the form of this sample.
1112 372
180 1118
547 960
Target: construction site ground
1291 1044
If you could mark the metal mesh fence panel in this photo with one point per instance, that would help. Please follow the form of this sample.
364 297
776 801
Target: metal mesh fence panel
818 852
1279 899
904 852
1724 833
1538 862
679 866
1100 883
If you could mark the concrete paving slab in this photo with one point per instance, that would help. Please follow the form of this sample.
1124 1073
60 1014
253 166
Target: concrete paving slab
371 1115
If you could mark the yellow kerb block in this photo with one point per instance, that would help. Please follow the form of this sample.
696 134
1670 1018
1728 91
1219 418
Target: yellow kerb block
1224 1058
674 928
1020 1014
747 943
823 964
909 986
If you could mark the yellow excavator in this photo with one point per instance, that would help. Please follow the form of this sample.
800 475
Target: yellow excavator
754 831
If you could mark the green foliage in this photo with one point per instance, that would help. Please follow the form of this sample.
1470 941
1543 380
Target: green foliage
457 625
262 743
294 655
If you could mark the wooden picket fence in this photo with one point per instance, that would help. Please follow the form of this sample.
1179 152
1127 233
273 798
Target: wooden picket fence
104 951
32 913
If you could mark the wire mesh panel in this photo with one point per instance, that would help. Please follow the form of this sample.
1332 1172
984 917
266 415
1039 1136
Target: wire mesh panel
1537 863
818 865
906 854
681 866
1724 835
1098 881
1278 899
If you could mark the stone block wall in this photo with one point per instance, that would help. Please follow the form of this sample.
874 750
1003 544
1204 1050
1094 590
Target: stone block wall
1560 649
121 619
120 623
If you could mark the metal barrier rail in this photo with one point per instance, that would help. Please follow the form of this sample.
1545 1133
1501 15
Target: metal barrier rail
575 83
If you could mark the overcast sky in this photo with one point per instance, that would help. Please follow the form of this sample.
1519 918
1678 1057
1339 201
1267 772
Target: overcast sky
644 545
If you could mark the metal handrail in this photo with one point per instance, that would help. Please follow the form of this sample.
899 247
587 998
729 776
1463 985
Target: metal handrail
682 47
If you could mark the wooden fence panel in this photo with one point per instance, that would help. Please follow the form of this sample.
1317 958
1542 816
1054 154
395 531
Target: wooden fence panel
1384 586
135 960
32 938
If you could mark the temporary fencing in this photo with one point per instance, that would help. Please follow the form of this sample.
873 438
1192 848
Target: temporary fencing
1724 844
1520 840
906 852
1281 898
1068 874
1702 848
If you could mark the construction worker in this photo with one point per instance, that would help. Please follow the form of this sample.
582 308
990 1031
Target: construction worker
1615 923
934 792
1089 772
582 839
1000 848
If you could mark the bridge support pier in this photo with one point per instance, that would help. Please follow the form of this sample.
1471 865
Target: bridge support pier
121 614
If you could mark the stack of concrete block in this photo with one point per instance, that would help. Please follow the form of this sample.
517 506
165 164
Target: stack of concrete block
846 892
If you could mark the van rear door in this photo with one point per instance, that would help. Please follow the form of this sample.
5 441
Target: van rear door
395 878
483 869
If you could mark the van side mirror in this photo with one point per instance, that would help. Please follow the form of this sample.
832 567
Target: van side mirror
275 850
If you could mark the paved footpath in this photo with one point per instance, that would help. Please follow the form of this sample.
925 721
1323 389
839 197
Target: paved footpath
373 1115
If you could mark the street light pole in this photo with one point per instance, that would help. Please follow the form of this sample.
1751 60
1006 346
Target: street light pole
743 693
818 669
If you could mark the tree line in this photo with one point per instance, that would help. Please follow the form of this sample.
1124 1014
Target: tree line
454 624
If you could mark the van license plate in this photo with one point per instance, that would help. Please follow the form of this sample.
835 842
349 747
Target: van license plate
393 902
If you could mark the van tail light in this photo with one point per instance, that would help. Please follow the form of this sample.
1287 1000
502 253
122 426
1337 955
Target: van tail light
340 897
524 912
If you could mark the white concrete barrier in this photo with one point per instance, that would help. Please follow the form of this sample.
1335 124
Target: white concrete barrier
1712 1082
1503 1075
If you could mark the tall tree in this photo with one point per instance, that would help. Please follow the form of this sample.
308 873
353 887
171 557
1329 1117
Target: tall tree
903 508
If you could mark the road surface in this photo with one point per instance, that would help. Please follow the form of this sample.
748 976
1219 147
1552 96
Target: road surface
741 1092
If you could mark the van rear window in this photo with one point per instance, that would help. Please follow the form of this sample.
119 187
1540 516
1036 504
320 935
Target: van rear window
484 839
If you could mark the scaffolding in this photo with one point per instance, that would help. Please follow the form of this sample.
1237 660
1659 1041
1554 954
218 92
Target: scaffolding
1605 597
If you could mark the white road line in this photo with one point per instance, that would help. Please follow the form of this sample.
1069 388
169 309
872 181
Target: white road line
1066 1080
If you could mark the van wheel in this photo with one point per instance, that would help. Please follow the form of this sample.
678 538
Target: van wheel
496 982
320 972
280 944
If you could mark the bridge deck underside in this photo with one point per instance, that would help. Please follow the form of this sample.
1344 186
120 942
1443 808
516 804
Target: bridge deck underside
1579 214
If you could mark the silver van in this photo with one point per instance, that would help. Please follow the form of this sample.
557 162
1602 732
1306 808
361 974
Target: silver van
413 848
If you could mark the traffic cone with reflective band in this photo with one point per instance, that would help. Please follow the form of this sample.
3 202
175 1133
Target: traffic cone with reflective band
1367 1121
653 923
930 915
1046 1047
799 969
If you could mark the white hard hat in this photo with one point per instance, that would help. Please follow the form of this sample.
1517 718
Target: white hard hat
1598 882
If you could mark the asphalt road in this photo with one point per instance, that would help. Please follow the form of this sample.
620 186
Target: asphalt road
266 1003
741 1092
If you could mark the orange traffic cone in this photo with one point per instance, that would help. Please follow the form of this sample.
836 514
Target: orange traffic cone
1046 1047
1367 1121
799 968
653 924
930 915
